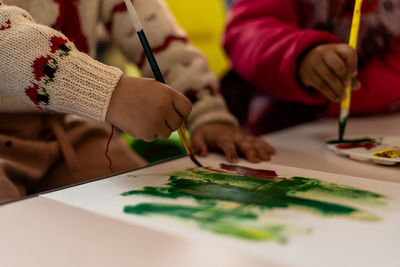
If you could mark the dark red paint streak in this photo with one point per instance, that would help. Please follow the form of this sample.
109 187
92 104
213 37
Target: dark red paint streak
236 169
366 145
266 174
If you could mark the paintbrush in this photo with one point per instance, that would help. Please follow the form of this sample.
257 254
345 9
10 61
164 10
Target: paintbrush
156 71
345 104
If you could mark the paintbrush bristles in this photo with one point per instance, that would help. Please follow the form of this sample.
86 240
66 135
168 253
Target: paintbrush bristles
187 147
133 15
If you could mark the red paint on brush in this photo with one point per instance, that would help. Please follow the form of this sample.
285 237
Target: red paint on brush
366 145
195 161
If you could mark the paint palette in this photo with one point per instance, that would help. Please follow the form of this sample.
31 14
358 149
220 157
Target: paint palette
381 150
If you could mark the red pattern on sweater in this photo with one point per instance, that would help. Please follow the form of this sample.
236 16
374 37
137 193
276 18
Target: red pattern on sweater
69 23
167 41
56 43
38 66
118 8
32 92
42 68
6 27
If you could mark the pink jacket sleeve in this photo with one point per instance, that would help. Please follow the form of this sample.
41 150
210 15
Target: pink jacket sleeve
380 84
264 41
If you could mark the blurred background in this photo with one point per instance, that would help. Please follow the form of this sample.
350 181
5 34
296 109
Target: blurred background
203 20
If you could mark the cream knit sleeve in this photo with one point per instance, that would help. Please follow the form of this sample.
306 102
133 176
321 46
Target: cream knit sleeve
41 67
182 65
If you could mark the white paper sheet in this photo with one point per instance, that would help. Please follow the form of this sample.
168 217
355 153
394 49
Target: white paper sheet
313 240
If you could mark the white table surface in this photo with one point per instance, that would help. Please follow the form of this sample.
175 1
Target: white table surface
303 146
43 232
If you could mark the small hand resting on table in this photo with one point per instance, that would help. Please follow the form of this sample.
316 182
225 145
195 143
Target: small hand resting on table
231 140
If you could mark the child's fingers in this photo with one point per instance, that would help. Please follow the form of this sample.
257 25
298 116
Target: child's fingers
227 145
246 145
330 78
349 56
181 105
262 153
337 66
199 143
267 148
164 132
249 152
174 121
321 85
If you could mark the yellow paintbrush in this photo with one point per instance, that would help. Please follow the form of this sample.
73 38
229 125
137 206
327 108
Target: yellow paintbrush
345 104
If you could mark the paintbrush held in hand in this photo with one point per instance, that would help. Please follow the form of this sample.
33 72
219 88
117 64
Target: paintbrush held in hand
156 71
345 104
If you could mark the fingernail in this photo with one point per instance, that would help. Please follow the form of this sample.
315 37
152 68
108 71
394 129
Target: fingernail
346 84
355 73
233 158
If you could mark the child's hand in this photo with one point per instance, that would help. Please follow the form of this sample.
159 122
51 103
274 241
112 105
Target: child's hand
147 109
327 68
230 140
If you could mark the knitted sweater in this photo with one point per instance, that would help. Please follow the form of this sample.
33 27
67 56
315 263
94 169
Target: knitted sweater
265 39
45 63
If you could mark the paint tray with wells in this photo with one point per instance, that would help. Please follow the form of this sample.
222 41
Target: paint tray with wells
379 150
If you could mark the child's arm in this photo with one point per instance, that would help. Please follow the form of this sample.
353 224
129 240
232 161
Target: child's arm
264 42
185 69
41 67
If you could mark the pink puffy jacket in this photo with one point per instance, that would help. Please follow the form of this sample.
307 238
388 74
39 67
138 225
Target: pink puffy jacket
264 39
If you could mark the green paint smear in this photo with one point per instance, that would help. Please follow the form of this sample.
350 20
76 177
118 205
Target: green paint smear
210 189
267 193
218 220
